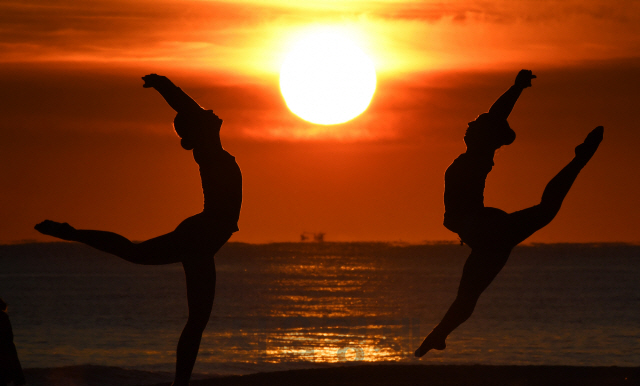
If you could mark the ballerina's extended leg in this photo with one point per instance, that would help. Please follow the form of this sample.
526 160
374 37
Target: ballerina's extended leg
524 223
157 251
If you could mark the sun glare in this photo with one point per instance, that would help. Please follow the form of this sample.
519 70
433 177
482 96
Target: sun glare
327 79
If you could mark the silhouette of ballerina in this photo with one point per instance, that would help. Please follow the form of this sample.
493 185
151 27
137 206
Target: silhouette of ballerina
490 232
196 240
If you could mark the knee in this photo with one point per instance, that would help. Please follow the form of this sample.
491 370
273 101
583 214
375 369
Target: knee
198 322
134 253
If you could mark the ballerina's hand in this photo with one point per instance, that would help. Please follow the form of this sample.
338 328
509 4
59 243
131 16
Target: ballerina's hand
155 81
523 79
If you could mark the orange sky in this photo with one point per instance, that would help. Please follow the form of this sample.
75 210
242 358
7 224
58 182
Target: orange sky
83 142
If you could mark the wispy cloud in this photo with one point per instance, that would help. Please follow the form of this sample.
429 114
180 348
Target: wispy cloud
250 37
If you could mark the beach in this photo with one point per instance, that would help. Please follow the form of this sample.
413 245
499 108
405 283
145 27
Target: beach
392 375
358 375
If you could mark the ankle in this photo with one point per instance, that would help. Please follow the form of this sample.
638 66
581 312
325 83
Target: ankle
437 339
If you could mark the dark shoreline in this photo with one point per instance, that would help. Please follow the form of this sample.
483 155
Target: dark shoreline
374 374
237 249
437 375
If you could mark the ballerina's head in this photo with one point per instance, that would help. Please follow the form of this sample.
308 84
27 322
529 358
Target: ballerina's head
195 128
488 133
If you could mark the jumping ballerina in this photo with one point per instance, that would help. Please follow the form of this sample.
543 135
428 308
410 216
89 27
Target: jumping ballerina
197 239
490 232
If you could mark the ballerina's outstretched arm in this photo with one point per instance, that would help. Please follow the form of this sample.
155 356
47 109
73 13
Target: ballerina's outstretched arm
175 97
503 106
191 116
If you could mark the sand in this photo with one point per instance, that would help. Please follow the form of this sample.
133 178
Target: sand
387 375
354 375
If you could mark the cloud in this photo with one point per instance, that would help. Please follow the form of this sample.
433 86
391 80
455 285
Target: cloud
505 11
118 30
249 38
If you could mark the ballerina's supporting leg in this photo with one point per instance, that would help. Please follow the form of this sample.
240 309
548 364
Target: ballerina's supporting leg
201 282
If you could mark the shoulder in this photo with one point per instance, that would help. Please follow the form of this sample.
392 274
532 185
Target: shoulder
467 163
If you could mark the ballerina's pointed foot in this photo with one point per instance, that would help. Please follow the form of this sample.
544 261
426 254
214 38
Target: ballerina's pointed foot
587 149
428 344
61 230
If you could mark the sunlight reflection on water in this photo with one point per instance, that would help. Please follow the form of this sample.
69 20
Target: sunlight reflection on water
300 306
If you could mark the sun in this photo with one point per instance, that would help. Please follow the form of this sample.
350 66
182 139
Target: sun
327 79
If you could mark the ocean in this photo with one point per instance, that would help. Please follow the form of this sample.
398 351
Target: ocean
300 305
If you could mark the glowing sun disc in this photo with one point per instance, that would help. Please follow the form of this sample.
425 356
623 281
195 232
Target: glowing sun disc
327 79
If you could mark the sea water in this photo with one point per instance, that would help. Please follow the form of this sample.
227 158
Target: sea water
299 305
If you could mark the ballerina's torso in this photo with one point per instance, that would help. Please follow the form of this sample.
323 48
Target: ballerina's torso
464 183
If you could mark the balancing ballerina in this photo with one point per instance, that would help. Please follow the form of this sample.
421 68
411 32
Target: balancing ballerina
195 240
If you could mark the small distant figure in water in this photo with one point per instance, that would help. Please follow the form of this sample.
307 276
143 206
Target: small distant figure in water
197 239
490 232
317 237
10 368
